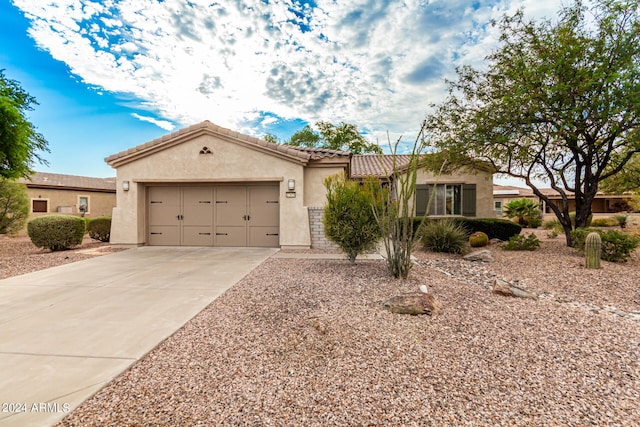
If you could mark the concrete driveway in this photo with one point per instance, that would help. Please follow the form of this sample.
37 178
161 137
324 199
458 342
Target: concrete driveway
67 331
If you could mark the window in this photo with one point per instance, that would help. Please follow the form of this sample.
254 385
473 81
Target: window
448 199
497 206
83 204
39 206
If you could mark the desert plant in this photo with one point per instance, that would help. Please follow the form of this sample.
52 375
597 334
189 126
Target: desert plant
592 249
621 220
14 206
523 211
100 228
522 243
494 228
603 222
478 239
617 246
56 232
348 218
443 235
395 206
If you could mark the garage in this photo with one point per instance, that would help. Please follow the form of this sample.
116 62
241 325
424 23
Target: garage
214 215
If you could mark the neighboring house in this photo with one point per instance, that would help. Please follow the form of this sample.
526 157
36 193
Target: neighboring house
209 186
602 204
52 193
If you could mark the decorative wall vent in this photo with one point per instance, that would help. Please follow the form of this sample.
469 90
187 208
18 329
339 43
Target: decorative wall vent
206 150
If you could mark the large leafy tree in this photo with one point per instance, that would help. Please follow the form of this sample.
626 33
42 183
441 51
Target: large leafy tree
19 141
344 137
558 102
14 206
626 180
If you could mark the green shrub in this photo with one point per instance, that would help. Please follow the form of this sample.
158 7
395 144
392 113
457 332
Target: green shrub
348 218
617 246
572 215
522 243
621 220
56 232
603 222
523 211
495 228
478 239
100 228
443 235
534 221
553 224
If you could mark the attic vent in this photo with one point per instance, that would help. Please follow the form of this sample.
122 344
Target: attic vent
206 150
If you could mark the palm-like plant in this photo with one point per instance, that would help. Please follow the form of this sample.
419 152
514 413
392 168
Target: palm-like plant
523 210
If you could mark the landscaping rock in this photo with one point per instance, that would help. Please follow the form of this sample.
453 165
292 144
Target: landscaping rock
483 255
414 304
502 287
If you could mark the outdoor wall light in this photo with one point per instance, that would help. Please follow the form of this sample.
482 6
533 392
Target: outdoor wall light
291 184
125 185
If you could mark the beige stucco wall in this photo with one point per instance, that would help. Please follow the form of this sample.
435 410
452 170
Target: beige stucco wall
315 193
229 162
100 203
483 181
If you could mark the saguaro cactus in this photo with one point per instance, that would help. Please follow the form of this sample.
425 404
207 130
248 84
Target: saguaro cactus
592 248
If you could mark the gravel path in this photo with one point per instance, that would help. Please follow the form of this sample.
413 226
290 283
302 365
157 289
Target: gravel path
305 342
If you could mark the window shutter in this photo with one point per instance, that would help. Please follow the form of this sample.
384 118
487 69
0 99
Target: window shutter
422 196
469 200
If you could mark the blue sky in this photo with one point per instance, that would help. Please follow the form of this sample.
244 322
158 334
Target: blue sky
110 74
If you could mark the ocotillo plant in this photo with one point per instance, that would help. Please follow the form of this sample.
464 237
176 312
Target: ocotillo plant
592 248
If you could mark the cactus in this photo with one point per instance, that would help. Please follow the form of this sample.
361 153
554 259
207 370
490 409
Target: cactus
592 248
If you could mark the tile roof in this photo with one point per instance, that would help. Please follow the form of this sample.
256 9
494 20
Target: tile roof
295 153
376 165
320 153
74 182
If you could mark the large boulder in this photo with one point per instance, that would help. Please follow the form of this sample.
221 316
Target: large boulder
413 304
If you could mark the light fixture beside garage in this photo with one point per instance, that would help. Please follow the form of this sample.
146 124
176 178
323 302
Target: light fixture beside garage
291 188
125 185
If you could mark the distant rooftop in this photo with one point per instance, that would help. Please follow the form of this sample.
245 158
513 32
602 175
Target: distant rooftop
72 182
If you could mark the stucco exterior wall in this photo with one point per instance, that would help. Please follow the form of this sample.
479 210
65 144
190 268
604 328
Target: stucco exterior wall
100 203
228 162
482 179
315 194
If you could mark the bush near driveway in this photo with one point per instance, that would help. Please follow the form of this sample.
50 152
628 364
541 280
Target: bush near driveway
56 232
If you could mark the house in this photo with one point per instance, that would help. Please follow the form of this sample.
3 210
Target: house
210 186
52 193
602 204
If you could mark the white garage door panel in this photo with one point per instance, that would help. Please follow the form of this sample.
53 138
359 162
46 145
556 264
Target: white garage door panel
263 237
161 235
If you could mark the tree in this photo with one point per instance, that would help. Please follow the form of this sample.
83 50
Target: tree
344 137
271 138
14 206
348 218
626 180
558 102
524 210
19 141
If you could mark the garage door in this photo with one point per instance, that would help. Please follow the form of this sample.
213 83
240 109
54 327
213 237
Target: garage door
214 216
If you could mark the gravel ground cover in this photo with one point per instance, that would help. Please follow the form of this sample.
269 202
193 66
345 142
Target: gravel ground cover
19 256
306 342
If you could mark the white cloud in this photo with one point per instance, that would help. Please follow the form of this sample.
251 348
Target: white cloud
378 64
162 124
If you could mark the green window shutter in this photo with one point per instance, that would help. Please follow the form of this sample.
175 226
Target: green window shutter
422 196
469 200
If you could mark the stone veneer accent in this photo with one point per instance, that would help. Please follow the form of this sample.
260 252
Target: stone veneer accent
318 239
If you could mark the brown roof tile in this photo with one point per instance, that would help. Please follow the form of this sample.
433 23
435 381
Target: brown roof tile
74 182
376 165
